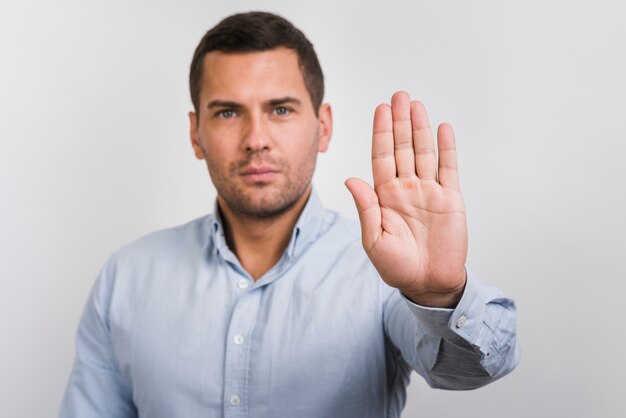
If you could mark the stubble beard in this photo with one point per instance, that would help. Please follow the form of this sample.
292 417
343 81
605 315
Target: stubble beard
266 201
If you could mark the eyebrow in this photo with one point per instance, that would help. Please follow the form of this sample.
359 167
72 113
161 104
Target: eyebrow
284 100
223 103
272 102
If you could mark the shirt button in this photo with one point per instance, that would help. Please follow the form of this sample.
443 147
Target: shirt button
461 321
243 283
238 339
235 400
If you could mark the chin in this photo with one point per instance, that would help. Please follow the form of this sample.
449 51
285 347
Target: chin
264 204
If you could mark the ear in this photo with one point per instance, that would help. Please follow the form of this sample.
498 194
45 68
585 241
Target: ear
325 117
194 136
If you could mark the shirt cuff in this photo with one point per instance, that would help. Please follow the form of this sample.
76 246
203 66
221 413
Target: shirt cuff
463 322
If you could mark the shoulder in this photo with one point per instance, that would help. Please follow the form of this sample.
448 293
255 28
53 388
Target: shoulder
339 228
166 243
135 267
341 239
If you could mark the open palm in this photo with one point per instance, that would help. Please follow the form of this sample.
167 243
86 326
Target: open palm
413 221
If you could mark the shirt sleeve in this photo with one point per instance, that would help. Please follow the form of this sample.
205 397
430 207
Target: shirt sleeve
96 387
462 348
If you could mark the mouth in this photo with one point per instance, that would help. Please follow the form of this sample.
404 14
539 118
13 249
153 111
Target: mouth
259 174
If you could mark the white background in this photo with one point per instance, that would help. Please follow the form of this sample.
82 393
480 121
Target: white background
95 153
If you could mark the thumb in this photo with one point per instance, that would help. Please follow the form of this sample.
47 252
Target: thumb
366 202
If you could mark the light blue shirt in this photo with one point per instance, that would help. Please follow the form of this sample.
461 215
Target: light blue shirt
175 327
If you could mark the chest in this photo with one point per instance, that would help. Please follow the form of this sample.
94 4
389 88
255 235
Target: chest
312 336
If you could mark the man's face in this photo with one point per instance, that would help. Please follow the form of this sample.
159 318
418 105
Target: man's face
257 130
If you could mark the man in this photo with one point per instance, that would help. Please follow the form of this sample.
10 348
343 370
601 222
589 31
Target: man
270 307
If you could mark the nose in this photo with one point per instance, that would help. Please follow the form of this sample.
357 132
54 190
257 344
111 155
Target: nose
256 137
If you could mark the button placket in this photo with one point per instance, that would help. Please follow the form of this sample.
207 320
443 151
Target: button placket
236 368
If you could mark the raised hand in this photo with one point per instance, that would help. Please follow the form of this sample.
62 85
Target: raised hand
413 221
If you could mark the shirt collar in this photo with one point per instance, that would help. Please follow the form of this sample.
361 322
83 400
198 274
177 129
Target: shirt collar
308 226
217 232
305 231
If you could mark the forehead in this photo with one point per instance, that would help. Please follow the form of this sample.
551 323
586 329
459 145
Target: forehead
252 75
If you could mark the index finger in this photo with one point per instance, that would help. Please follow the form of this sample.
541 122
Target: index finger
383 160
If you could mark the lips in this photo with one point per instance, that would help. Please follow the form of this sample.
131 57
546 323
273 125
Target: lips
259 174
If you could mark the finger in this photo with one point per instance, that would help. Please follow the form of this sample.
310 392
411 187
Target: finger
423 143
383 161
366 202
402 137
448 166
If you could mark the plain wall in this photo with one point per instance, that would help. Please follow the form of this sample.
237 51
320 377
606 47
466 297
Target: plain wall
95 153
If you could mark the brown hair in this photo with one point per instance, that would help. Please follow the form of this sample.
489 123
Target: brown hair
254 32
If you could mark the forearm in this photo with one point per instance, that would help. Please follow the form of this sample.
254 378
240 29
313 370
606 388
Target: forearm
466 347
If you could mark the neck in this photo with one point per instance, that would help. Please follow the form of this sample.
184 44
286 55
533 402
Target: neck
260 242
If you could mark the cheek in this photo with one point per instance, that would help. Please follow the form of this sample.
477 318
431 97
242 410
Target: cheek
216 137
217 156
217 143
305 157
302 139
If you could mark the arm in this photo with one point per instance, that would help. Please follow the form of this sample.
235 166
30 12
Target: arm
97 388
462 348
414 230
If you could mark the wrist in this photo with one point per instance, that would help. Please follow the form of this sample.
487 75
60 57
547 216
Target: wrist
448 298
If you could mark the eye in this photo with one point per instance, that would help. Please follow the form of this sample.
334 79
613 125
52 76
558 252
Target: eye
282 111
226 113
